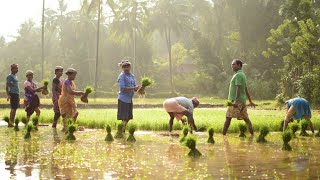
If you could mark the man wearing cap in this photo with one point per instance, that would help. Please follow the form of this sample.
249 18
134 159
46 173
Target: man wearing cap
56 92
238 94
12 89
179 107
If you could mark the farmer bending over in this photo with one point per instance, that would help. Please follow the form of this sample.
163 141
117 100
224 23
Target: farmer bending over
297 109
179 107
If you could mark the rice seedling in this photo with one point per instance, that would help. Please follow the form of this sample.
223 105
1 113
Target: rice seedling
210 139
132 128
264 131
281 125
119 133
109 136
7 119
24 120
243 129
71 129
286 138
185 131
304 126
191 142
228 103
87 91
35 122
294 128
145 81
45 90
28 134
16 124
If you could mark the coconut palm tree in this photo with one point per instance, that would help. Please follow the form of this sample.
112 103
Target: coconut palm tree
171 17
129 22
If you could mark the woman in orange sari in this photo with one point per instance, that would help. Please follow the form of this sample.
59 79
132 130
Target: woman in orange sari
67 104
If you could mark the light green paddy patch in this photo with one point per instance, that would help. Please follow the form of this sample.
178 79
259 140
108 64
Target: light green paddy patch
156 119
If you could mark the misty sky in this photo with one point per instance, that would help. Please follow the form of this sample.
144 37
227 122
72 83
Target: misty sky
15 12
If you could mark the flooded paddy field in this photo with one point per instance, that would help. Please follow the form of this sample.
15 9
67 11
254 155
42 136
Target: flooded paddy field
48 155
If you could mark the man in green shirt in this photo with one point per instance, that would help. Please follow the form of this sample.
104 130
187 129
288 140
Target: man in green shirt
238 94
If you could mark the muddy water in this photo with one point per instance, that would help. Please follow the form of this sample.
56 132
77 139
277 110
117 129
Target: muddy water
47 156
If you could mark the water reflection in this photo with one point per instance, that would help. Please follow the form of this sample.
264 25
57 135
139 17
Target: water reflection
11 155
48 156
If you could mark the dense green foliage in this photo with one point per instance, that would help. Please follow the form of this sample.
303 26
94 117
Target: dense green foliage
186 46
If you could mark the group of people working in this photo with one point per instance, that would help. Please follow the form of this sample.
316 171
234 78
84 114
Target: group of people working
64 105
62 95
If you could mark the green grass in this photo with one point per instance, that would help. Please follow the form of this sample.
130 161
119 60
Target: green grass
262 104
157 119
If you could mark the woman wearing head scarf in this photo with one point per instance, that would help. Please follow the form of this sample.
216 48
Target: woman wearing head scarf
127 86
67 104
31 99
181 106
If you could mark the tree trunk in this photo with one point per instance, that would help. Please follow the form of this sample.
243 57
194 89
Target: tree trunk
168 40
97 50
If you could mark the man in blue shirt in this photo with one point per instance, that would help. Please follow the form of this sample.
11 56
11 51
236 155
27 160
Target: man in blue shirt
12 89
127 86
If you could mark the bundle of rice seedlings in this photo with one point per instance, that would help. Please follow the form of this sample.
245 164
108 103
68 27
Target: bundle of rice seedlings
294 128
210 139
191 142
286 137
28 134
304 126
281 125
24 120
7 119
16 124
119 133
109 136
45 90
264 131
185 131
35 122
132 129
243 129
87 91
228 103
145 81
71 129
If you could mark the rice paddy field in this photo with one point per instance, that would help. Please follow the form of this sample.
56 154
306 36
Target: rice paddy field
156 153
156 119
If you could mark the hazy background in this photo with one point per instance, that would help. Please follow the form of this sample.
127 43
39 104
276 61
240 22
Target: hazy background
186 45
